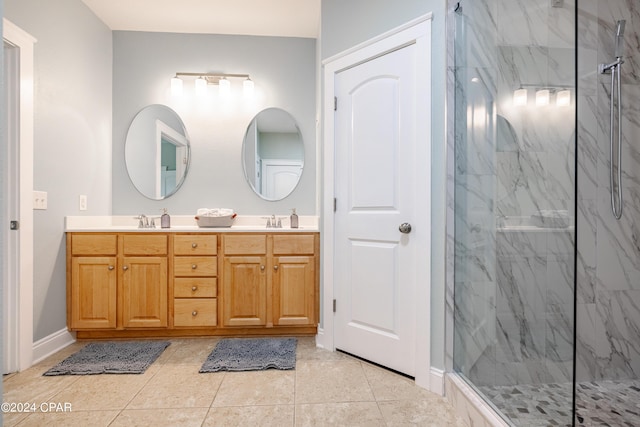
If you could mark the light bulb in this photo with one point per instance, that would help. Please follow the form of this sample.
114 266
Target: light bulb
542 97
563 98
176 86
520 97
224 86
247 87
201 86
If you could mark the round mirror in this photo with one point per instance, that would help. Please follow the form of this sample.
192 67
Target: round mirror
273 154
157 152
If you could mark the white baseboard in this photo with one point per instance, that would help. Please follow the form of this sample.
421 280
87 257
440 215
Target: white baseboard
48 345
320 337
436 381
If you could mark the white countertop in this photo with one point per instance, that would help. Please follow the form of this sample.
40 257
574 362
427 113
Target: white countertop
186 223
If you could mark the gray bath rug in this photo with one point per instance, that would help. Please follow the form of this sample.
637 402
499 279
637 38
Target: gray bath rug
252 354
113 357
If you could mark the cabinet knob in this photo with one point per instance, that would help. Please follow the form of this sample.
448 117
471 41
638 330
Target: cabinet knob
125 267
111 267
275 267
194 313
194 288
194 266
194 245
262 267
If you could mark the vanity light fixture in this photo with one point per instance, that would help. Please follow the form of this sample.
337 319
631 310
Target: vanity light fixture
201 86
542 97
563 98
176 86
222 80
247 87
520 97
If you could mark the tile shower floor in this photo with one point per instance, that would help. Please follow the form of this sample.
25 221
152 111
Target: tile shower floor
602 403
326 388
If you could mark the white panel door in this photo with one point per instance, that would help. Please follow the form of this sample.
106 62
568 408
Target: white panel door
375 180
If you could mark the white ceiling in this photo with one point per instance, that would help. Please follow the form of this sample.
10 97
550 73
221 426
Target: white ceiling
286 18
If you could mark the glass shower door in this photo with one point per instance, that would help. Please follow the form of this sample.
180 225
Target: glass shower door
515 205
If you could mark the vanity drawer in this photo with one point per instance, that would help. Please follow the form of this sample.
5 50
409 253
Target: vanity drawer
195 312
195 244
145 244
245 244
94 244
196 287
195 266
293 244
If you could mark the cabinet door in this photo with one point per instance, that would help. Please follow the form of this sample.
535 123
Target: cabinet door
244 291
93 292
294 290
144 297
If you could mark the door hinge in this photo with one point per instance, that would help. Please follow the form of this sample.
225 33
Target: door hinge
14 225
334 306
335 204
335 103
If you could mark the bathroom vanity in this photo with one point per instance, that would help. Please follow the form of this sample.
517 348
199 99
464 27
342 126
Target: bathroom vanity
188 281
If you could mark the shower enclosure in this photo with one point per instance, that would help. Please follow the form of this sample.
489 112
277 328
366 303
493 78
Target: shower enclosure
546 280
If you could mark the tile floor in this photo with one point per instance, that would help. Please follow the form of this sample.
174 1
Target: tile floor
326 388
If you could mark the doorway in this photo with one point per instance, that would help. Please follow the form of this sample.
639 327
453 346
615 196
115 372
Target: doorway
17 205
376 241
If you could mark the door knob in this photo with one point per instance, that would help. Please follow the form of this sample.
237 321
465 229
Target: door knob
405 228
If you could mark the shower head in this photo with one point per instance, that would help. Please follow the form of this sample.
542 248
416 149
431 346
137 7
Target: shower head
620 38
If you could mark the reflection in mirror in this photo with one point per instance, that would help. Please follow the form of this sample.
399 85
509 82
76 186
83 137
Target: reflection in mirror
157 152
273 154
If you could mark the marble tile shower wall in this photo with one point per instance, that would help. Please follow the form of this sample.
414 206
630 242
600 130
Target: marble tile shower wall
608 276
513 287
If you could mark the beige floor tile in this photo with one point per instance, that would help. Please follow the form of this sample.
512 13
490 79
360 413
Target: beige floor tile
240 416
71 419
307 350
102 392
270 387
427 413
352 414
387 385
331 381
160 417
31 386
190 351
178 386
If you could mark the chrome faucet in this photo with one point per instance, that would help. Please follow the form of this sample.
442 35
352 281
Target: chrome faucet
143 221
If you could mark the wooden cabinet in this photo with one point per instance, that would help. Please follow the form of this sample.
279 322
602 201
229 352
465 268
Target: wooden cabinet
157 284
270 280
195 282
117 281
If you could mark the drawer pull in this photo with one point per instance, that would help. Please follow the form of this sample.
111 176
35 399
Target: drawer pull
194 313
194 266
262 267
194 288
275 267
194 245
125 267
111 267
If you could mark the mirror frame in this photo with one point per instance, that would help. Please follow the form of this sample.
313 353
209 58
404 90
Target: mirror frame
244 148
161 131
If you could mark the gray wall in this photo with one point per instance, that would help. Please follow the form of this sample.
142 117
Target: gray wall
72 143
283 70
348 23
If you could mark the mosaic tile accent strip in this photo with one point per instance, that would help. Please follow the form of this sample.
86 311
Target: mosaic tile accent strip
602 403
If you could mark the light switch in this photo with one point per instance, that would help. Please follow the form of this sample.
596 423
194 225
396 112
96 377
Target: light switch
40 200
82 202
